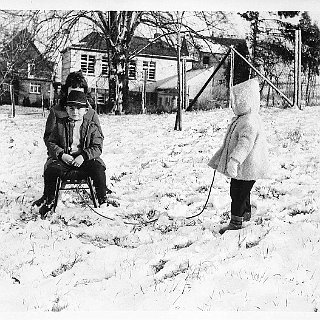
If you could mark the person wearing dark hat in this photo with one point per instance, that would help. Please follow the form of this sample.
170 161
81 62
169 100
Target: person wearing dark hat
75 82
74 146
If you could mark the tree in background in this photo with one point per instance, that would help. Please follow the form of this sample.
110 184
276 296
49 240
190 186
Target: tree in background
19 56
56 30
117 29
310 56
271 46
310 49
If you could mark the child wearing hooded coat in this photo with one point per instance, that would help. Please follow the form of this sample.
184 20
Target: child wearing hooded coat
243 155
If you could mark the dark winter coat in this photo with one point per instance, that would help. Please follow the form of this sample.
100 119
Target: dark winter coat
58 112
91 138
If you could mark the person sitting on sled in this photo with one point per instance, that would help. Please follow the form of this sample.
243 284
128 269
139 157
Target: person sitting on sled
243 156
74 147
74 81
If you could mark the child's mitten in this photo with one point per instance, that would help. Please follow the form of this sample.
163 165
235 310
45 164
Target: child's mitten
232 167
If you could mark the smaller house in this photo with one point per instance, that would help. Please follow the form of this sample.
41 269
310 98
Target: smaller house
31 75
195 79
215 94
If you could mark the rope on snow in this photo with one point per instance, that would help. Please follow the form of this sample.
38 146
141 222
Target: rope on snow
155 219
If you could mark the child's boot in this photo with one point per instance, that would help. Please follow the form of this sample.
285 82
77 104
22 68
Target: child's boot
234 224
106 201
46 208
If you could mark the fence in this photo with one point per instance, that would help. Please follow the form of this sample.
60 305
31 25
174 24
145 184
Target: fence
309 96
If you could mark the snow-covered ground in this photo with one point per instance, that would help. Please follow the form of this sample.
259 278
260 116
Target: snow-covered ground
77 261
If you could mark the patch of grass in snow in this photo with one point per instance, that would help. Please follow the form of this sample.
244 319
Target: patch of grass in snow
225 216
58 305
268 192
95 240
89 281
182 268
295 212
159 266
175 224
295 135
183 245
170 194
202 189
65 267
29 216
253 243
118 177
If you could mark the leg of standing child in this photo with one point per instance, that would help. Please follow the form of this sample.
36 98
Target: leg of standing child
240 203
240 196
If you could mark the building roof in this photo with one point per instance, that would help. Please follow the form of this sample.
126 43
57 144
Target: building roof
20 51
171 82
229 41
95 41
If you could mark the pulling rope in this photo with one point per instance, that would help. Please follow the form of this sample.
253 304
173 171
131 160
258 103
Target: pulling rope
205 205
149 221
106 217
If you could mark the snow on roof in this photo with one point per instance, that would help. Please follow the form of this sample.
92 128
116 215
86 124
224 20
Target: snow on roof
171 82
95 41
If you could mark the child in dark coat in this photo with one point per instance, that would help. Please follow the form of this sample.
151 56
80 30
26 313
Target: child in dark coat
243 156
74 144
75 81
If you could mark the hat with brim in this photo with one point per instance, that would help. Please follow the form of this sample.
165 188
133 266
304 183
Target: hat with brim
77 99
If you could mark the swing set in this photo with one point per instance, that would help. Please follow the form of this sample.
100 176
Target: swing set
296 102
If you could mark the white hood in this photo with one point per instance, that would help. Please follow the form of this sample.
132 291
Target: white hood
245 97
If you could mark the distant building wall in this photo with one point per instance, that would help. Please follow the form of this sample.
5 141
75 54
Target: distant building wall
35 90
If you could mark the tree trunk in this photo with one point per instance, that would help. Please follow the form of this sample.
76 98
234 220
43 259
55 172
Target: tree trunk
308 89
121 32
117 81
178 123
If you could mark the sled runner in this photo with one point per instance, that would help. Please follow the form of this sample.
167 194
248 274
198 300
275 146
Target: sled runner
74 183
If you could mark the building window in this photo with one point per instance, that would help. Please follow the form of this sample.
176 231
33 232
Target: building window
104 66
132 69
87 63
150 67
35 87
101 98
31 70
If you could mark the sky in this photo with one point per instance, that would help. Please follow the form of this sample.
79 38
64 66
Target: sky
312 6
213 5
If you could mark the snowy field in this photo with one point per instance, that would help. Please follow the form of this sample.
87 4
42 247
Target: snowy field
77 261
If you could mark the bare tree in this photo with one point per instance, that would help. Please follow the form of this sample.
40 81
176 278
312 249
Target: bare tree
57 29
15 41
19 56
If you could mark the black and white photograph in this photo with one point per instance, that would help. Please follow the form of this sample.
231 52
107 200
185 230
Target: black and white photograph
159 159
